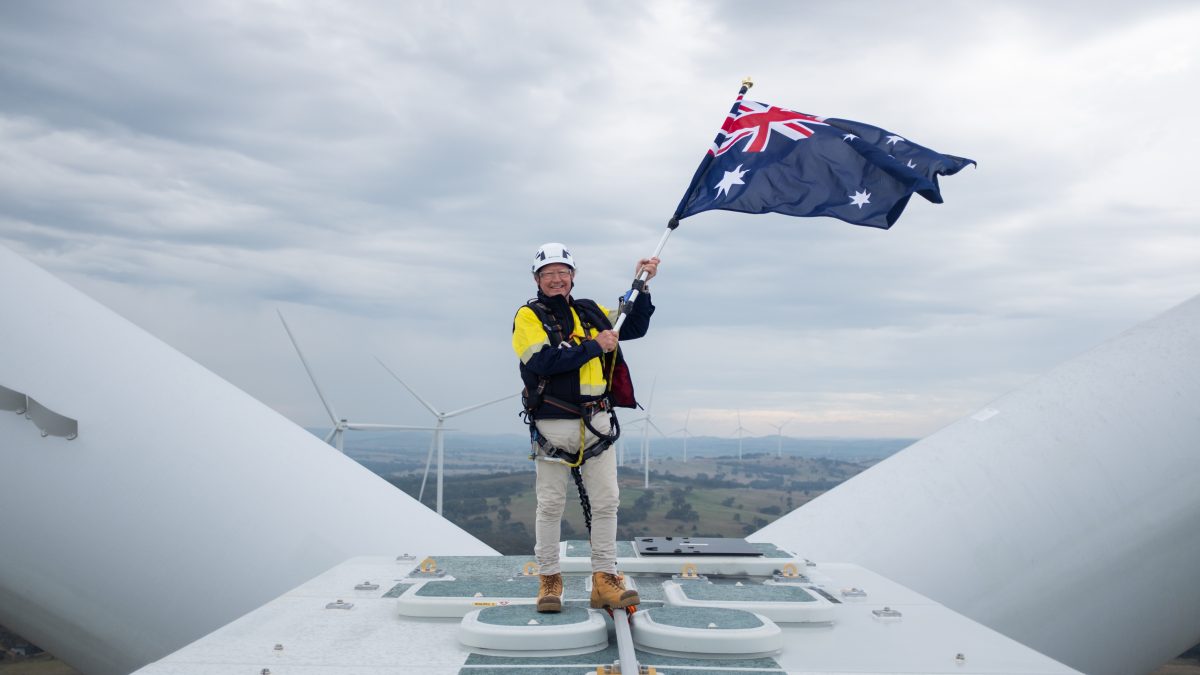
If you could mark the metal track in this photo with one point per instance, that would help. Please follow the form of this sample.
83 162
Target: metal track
626 656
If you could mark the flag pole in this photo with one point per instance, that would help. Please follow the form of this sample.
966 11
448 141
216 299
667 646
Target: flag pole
639 284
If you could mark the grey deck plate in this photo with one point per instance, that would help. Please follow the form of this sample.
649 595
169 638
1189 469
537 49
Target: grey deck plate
521 615
748 593
479 566
487 588
704 618
695 547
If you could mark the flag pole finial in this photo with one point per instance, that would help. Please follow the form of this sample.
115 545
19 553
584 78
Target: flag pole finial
747 82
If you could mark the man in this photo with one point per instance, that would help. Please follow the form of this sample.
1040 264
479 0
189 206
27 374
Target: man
570 363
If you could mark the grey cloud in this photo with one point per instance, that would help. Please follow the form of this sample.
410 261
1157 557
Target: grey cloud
385 171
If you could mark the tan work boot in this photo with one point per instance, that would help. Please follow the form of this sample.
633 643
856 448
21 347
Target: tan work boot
549 598
609 592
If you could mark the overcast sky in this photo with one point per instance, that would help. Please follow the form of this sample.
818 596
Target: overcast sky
383 173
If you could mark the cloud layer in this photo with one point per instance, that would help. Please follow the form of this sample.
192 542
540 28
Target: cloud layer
383 172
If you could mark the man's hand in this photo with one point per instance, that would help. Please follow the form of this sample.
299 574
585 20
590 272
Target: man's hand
607 340
647 265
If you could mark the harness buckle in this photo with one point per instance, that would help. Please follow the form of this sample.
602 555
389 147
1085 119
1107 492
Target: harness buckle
595 406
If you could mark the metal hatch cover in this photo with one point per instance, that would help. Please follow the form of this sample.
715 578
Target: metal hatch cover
695 546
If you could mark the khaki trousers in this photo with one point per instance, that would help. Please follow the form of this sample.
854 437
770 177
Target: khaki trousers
553 484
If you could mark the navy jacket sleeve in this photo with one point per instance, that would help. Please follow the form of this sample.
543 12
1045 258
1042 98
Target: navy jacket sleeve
638 321
554 360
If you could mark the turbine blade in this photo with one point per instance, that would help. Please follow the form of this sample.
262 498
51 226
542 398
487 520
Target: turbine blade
329 436
328 408
417 396
479 405
655 427
428 461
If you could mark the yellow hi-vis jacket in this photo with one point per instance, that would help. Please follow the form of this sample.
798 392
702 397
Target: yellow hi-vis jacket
574 367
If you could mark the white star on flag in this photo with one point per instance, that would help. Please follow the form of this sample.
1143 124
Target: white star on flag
731 178
911 164
848 137
859 198
893 139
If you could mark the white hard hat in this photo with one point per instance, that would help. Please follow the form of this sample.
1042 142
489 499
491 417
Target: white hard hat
552 253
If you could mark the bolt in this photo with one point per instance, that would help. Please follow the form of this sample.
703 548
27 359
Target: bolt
278 647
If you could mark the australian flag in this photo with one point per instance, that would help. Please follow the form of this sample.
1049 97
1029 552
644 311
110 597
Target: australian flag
770 159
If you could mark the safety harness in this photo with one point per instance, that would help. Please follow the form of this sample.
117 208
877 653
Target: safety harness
590 317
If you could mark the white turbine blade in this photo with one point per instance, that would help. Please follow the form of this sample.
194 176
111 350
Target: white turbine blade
410 389
328 408
479 405
428 461
653 385
655 427
687 419
403 427
329 436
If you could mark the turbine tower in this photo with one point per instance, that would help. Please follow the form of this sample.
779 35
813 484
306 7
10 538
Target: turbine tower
438 432
685 432
779 436
647 421
340 424
739 431
646 435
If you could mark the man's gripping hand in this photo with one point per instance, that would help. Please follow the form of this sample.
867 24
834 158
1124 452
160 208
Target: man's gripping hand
607 340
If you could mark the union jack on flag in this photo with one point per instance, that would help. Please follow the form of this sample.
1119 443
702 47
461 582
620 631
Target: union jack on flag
771 159
754 122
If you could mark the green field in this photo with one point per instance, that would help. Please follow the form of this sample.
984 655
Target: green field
718 497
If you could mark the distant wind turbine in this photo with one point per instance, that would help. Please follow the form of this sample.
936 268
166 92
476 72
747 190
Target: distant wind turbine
739 431
647 421
685 433
340 424
779 435
438 435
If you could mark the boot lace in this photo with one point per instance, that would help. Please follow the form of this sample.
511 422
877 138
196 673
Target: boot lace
552 585
612 581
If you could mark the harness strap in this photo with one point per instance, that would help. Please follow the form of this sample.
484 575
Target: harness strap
585 452
555 333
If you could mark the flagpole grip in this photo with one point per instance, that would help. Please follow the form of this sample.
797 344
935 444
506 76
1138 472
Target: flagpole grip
639 284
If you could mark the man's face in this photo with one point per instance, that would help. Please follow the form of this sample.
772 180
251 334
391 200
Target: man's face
555 279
